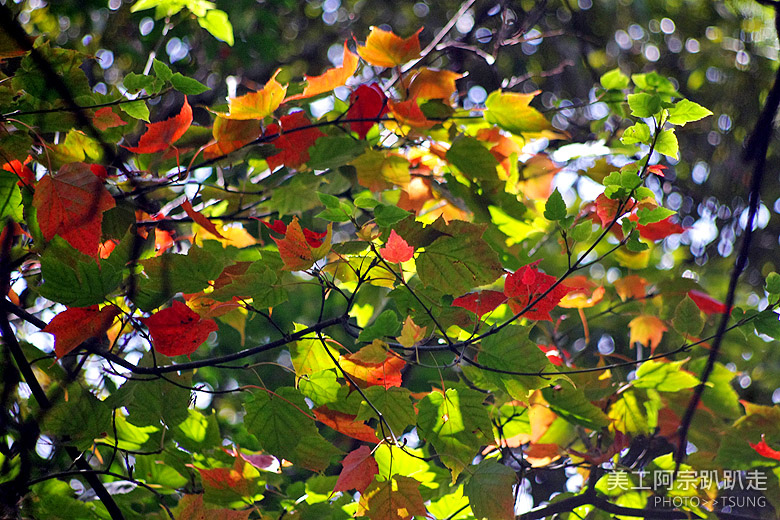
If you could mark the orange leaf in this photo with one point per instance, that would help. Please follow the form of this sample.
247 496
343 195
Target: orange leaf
359 470
409 113
763 449
367 369
199 219
230 135
647 330
385 49
293 141
71 204
106 118
296 252
257 105
178 330
346 424
159 136
331 78
433 84
395 499
396 250
76 325
607 209
631 286
191 507
25 174
227 478
583 294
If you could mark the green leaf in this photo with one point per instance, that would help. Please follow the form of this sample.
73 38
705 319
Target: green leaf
571 404
136 109
321 387
472 158
667 144
651 216
614 80
198 431
81 416
395 405
216 22
664 376
161 70
489 489
719 396
309 355
73 278
329 201
333 151
654 82
638 133
134 82
511 112
582 231
188 86
151 401
386 324
773 283
10 198
555 208
685 111
387 215
768 322
688 320
635 245
456 423
628 415
644 105
630 180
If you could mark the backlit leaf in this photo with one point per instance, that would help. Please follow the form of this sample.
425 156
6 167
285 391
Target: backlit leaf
480 303
257 105
511 112
433 84
396 250
200 219
687 318
159 136
178 330
706 303
647 330
331 78
373 365
685 111
385 49
489 489
106 118
395 499
296 252
526 285
358 470
367 104
295 137
346 424
77 324
664 376
763 449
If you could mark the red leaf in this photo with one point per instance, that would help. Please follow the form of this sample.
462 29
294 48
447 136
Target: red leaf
359 470
607 209
199 219
397 249
367 372
298 249
159 136
178 330
106 118
191 507
480 303
346 424
368 102
660 230
763 449
313 238
331 78
71 204
25 174
77 324
293 144
227 478
528 283
553 354
706 303
657 169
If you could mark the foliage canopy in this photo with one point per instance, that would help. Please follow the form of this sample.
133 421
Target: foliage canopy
370 291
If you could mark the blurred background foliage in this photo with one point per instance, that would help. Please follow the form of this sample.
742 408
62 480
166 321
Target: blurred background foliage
722 54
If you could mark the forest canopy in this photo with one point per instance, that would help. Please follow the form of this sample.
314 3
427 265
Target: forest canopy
336 259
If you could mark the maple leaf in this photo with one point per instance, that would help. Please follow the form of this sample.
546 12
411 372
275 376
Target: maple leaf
763 449
346 424
409 113
659 230
25 174
433 84
191 507
607 209
528 283
200 219
159 136
257 105
584 294
480 303
373 365
631 286
106 118
385 49
359 468
232 479
293 144
71 204
76 325
395 499
178 330
597 456
553 354
647 330
367 103
706 303
657 169
296 250
331 78
411 333
397 249
232 134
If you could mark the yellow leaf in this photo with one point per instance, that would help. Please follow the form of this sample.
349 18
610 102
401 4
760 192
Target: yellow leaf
257 105
632 286
385 49
647 330
411 333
